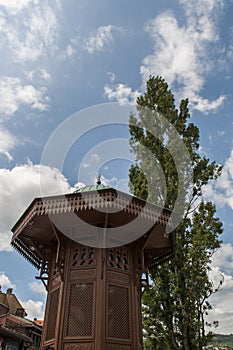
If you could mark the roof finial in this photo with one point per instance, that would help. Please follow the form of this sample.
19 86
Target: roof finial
98 179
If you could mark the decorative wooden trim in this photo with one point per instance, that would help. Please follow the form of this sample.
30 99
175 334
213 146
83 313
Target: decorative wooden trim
26 253
81 275
108 198
117 277
73 346
110 346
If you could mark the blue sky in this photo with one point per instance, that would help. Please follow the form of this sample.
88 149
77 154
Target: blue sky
61 57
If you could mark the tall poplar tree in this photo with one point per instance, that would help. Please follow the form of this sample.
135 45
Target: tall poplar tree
177 303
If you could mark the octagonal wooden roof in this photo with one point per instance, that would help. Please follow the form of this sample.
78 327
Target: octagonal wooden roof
82 213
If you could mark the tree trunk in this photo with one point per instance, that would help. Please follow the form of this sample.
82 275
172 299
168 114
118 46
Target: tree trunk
185 316
173 342
185 335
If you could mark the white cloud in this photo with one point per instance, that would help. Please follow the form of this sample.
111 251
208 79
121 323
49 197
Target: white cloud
34 309
5 239
28 40
110 182
221 301
181 54
221 190
223 258
70 50
44 75
90 159
7 143
14 6
221 133
40 75
94 157
18 187
86 165
174 54
222 310
205 106
37 287
112 77
101 39
180 50
199 9
14 94
5 281
121 93
79 185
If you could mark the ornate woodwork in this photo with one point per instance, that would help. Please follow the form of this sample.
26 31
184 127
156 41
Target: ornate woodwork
78 346
94 293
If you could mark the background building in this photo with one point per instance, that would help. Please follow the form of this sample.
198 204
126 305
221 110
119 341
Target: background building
16 331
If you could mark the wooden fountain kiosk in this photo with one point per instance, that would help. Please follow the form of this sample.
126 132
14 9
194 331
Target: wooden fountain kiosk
92 249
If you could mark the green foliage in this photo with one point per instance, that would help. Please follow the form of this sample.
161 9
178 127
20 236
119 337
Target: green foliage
222 340
176 305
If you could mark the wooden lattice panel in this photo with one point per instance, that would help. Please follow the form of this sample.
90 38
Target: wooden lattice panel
51 324
80 310
118 324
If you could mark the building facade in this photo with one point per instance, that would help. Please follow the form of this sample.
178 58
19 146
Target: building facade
16 331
